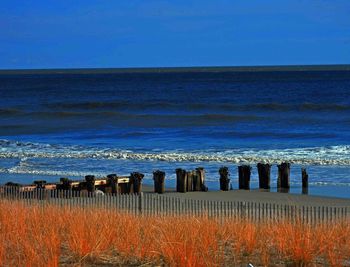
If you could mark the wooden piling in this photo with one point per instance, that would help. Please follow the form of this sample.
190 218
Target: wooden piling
159 178
181 180
65 184
90 183
264 171
283 180
196 180
82 186
136 180
40 184
12 184
125 188
244 177
112 184
224 178
189 182
200 182
11 188
305 181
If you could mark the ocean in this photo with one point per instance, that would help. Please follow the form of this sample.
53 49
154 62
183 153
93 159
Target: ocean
66 124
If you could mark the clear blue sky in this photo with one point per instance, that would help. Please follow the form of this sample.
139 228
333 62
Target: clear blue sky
147 33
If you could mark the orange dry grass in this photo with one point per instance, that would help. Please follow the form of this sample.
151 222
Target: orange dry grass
47 236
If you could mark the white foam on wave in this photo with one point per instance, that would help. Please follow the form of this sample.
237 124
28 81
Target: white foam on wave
51 172
331 155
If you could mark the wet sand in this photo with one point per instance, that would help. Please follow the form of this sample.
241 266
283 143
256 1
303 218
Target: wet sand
256 196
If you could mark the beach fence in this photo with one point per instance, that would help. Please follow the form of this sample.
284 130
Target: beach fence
149 204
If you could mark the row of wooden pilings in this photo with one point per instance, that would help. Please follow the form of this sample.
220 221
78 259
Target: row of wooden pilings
112 184
264 173
187 181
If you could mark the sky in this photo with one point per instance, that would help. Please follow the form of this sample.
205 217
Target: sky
145 33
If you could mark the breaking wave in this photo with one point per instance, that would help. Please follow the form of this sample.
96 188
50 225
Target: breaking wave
331 155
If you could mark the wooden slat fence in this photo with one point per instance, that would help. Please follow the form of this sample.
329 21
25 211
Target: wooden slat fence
153 204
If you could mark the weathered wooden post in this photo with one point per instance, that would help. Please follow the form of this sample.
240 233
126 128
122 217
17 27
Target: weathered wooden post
181 180
82 187
264 171
189 182
11 188
159 178
12 184
283 184
244 177
201 180
112 184
224 178
90 183
305 181
40 184
136 180
125 188
65 184
196 180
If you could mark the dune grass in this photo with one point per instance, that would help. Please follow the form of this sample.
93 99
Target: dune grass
52 236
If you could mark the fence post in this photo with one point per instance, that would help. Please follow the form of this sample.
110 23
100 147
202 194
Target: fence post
140 202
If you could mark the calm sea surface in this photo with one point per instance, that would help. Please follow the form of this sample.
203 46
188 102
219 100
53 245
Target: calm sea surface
54 125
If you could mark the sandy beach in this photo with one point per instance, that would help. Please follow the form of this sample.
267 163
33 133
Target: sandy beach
256 196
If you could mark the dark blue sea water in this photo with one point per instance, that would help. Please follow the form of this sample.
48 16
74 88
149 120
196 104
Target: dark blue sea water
54 125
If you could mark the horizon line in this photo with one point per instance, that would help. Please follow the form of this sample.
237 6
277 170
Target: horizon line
308 67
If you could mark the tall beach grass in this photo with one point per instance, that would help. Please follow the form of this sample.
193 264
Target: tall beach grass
50 236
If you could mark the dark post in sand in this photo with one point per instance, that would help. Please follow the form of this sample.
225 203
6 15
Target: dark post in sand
283 179
224 178
181 180
196 180
125 188
264 171
11 188
40 184
136 180
189 183
244 177
90 183
112 184
200 182
66 184
305 181
159 178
